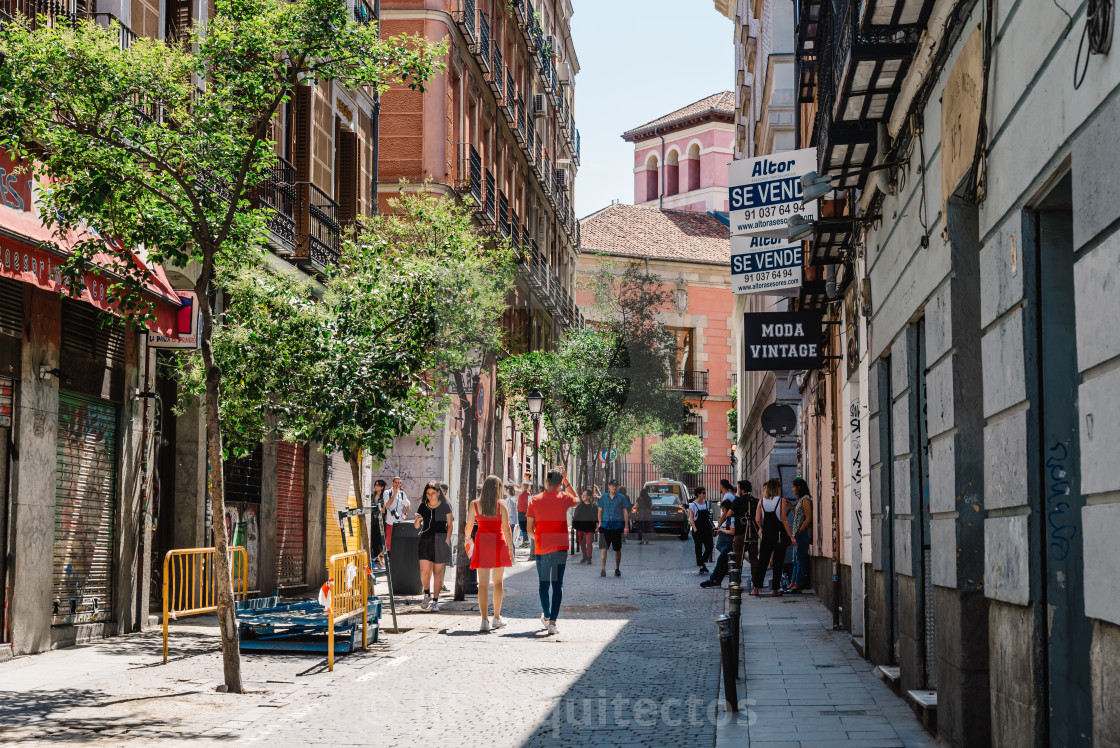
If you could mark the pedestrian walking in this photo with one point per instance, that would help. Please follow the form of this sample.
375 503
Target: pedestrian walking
434 545
613 521
802 537
376 538
492 548
584 520
770 516
700 520
522 508
397 506
725 544
644 513
547 521
511 509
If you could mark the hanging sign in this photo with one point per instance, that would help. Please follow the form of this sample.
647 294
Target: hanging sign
765 264
766 191
186 325
782 341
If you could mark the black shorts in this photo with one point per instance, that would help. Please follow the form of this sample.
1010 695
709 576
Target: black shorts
434 549
610 539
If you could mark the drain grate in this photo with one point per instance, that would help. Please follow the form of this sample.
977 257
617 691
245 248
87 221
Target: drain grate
546 671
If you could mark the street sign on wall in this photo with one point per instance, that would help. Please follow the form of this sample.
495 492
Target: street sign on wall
187 324
781 341
766 191
765 264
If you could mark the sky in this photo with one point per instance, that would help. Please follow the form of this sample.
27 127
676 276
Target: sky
638 61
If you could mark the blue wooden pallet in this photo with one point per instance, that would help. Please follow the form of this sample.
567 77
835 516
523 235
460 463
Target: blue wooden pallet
263 624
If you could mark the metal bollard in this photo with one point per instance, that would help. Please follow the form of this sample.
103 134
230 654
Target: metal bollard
734 610
727 664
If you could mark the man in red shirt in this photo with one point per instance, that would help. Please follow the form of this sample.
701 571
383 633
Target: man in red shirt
547 520
522 508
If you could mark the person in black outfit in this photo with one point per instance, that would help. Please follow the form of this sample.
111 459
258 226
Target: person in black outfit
700 519
771 517
746 531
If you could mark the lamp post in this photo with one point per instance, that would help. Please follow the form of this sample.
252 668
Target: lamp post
734 462
536 405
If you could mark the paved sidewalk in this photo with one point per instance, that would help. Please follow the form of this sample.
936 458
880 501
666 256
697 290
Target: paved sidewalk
807 686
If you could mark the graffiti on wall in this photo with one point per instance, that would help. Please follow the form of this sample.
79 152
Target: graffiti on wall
857 465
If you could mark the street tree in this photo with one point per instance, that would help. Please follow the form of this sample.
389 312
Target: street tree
680 453
160 147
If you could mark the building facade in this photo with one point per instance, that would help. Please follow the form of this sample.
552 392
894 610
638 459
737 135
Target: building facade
495 129
972 243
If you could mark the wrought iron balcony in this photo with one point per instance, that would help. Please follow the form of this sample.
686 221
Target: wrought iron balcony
503 214
469 178
364 12
466 18
278 193
317 238
125 35
515 230
482 49
497 71
490 206
688 381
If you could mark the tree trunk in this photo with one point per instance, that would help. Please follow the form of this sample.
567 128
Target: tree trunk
223 582
356 477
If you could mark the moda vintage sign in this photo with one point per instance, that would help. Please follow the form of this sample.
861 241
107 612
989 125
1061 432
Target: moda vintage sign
782 341
766 191
764 264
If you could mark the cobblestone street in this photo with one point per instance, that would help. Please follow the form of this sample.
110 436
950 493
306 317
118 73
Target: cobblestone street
635 663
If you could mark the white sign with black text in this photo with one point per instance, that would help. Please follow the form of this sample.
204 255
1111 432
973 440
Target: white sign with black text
766 191
765 264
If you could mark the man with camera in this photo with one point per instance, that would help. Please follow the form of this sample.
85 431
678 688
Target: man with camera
396 506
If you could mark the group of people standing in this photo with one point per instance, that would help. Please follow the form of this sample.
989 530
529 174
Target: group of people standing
758 528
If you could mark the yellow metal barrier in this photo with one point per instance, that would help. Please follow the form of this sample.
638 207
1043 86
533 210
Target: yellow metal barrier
189 582
346 595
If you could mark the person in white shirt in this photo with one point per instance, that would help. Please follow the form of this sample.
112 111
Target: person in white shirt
397 506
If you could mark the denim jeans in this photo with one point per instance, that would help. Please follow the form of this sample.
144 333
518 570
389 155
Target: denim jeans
801 559
550 572
720 570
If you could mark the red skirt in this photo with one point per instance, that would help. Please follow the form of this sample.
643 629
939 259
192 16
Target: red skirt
490 550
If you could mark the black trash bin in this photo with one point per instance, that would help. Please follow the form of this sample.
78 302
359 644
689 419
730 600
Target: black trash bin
405 558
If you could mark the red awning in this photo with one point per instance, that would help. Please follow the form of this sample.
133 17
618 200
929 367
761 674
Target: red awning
21 258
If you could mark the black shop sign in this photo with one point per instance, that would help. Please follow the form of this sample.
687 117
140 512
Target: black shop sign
781 341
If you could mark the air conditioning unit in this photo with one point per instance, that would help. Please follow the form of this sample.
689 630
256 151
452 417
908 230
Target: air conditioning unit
552 43
561 176
540 105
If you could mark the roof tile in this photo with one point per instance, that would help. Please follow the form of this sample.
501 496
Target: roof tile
639 231
723 102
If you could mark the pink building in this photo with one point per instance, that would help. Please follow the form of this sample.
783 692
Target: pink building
680 159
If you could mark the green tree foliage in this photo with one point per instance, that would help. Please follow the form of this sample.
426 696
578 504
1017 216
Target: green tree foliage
683 453
134 146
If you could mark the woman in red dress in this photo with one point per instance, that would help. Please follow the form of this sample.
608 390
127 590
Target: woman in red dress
492 548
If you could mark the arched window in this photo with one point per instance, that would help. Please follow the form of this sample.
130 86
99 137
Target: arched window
692 168
672 173
651 178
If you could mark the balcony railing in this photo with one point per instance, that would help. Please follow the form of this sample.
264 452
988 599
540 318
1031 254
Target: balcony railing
490 207
278 193
466 17
503 214
318 240
364 13
125 35
688 381
497 72
469 181
515 230
482 50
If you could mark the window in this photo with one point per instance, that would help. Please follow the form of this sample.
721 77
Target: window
651 178
692 168
672 173
683 358
694 425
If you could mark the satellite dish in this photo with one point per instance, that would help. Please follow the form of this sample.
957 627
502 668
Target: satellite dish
779 419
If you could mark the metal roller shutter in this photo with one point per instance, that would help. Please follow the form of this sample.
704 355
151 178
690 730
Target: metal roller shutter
291 514
11 308
340 496
85 504
243 509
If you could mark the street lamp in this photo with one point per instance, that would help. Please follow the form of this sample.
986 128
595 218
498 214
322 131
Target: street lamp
734 461
536 405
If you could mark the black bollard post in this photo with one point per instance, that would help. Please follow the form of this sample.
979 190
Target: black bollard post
727 665
734 610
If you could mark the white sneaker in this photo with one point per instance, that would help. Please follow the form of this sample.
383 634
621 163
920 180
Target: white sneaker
551 628
485 626
435 606
544 621
497 623
426 604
